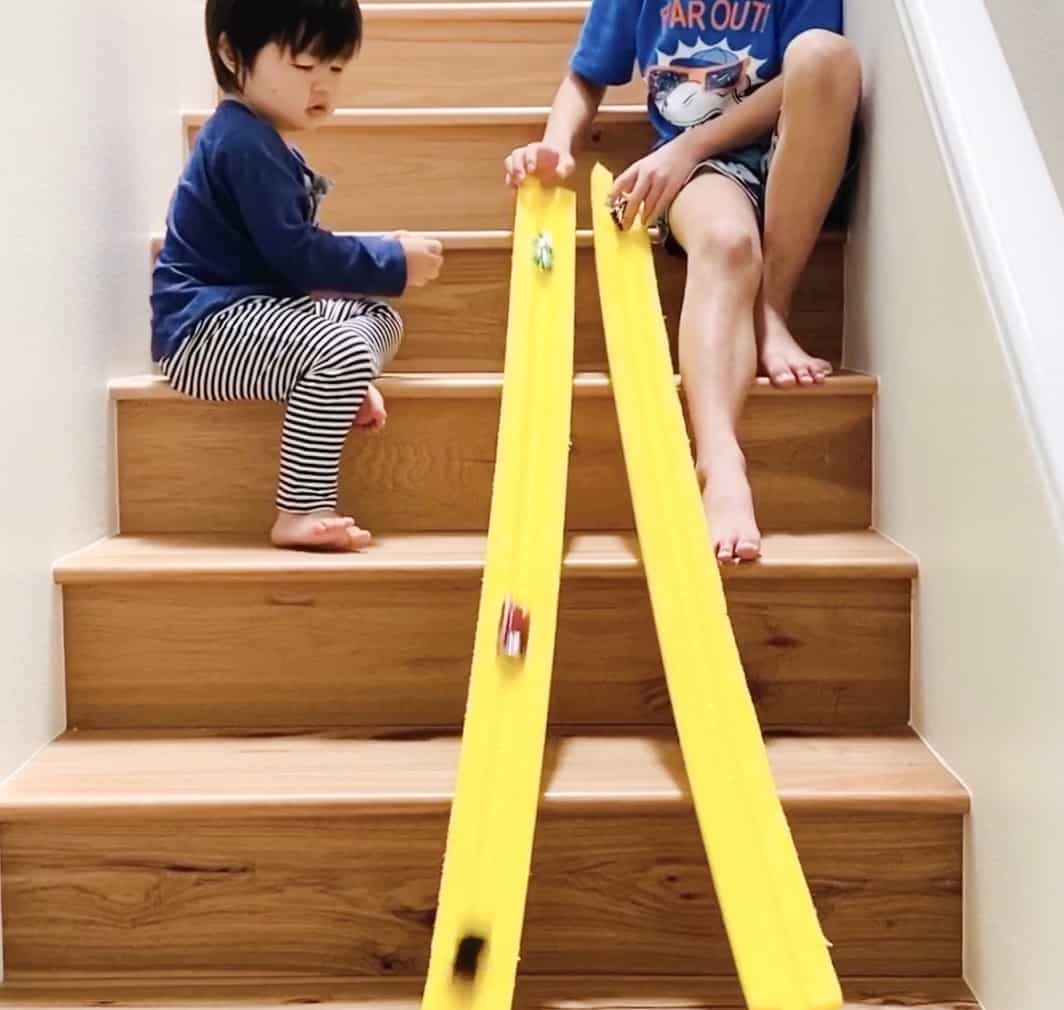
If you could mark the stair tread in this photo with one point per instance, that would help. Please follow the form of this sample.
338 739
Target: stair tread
849 554
423 385
225 774
533 993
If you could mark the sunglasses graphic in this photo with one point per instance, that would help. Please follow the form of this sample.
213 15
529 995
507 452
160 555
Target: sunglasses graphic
712 78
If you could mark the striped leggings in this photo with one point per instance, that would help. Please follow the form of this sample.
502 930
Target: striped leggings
317 357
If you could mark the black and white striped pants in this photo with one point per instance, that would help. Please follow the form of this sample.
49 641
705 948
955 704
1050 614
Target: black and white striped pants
316 356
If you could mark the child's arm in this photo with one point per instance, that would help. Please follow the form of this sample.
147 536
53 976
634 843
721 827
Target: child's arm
654 181
604 55
269 192
551 159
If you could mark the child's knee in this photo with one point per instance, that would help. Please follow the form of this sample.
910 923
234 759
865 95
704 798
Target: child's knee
392 329
721 246
826 61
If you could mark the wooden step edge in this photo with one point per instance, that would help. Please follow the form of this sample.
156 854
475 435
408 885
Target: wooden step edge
176 558
476 241
441 116
176 775
488 385
534 992
541 10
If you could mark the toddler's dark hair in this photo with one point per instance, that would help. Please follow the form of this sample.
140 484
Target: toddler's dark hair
326 29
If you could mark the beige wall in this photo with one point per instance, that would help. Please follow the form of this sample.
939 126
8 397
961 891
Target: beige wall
1032 35
959 484
91 97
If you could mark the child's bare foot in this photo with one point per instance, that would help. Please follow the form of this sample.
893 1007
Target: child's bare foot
784 361
318 531
372 415
729 506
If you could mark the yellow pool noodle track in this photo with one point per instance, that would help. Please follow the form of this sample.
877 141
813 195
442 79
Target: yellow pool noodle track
780 951
489 841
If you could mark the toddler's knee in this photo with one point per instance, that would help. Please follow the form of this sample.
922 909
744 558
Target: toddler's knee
391 327
826 61
727 247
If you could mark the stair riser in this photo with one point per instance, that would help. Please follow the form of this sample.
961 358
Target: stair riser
443 176
346 653
616 893
187 466
487 60
459 324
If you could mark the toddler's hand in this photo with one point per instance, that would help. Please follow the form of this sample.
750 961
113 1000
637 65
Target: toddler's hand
372 415
424 258
546 162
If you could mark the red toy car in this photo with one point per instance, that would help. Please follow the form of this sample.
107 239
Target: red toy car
513 629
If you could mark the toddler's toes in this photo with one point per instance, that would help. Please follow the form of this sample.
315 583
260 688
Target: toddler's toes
358 539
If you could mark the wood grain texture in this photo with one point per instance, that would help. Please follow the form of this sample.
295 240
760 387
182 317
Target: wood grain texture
443 169
458 324
96 776
467 54
348 653
533 993
305 895
189 466
857 554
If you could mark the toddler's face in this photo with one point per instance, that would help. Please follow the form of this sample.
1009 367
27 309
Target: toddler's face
294 91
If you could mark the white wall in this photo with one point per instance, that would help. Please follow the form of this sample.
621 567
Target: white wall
92 146
1032 34
959 483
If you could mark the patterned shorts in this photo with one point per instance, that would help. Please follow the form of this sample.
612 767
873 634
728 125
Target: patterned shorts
749 167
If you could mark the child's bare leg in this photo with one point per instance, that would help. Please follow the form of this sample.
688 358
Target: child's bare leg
821 90
714 221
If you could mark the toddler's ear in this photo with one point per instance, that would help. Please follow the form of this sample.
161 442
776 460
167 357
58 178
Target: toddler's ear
228 57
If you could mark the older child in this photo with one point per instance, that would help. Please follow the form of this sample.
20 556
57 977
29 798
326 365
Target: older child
233 316
753 102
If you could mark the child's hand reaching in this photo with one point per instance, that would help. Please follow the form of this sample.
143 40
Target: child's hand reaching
653 182
424 258
546 162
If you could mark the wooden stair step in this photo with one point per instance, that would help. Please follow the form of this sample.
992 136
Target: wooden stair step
464 53
459 323
200 775
208 630
187 466
572 992
533 993
133 853
443 168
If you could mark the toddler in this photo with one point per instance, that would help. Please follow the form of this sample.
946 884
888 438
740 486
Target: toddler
234 315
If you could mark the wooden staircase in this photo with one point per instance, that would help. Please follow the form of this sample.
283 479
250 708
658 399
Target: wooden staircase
249 807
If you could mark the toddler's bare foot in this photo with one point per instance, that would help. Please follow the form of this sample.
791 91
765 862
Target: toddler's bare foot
784 361
318 531
729 506
372 415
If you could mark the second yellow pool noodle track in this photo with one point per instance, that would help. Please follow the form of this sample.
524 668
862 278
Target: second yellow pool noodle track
489 842
780 951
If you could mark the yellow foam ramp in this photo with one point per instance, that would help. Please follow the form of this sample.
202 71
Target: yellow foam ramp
489 845
779 948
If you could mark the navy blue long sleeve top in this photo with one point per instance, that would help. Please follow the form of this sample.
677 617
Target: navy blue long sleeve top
243 222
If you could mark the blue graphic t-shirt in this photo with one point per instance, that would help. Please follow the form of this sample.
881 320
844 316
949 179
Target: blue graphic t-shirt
699 57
